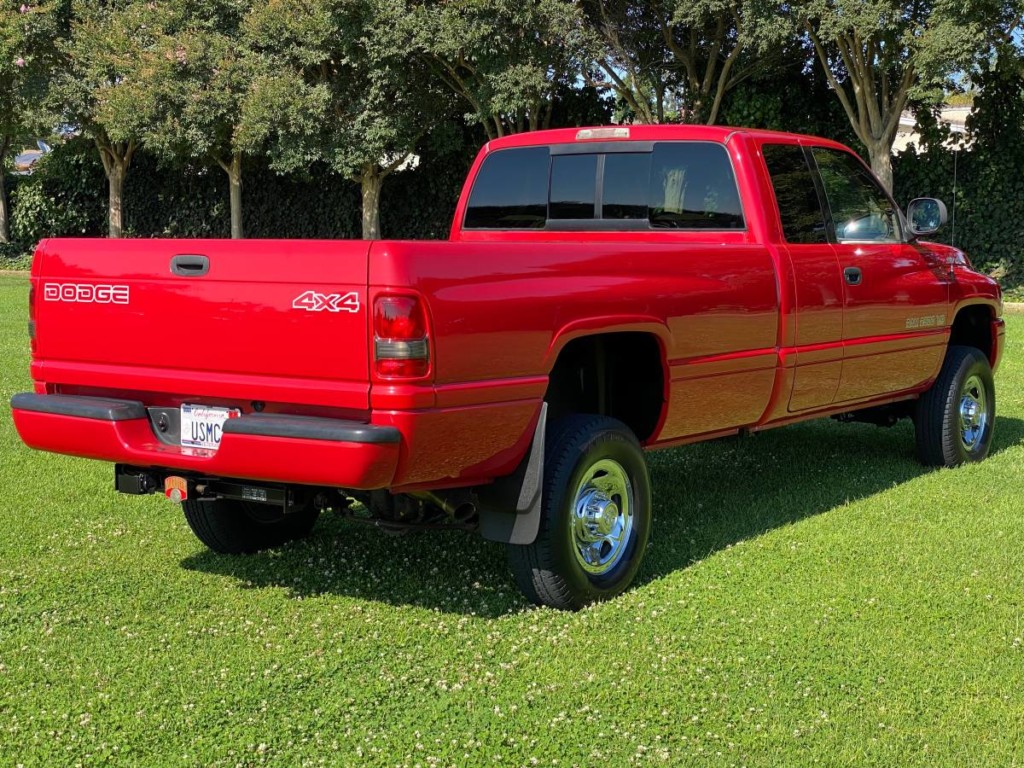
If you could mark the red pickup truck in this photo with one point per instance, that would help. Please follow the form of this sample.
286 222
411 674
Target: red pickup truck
604 291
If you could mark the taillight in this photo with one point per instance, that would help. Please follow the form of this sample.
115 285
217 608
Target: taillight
32 316
400 345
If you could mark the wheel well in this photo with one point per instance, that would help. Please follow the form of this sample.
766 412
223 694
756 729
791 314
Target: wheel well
613 374
972 327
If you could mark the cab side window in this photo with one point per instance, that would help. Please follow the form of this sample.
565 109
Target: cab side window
861 211
803 220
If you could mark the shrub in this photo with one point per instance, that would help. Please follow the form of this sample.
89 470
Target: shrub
66 196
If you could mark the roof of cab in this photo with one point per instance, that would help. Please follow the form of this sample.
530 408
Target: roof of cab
662 132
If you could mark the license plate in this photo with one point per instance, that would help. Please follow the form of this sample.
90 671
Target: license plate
202 426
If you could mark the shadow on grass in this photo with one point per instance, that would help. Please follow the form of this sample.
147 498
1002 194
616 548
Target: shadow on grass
707 496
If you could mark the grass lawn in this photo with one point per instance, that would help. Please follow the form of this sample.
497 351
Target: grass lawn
812 596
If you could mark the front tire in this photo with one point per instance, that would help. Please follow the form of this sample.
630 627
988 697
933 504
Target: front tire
955 418
595 515
240 527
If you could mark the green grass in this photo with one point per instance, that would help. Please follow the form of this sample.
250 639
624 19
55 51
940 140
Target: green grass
812 596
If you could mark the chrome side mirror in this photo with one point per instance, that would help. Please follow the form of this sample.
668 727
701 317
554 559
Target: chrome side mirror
926 215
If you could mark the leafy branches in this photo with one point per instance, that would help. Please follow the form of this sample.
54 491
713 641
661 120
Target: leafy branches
673 59
27 58
879 54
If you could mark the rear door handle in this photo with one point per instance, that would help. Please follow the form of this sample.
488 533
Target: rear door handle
190 265
852 275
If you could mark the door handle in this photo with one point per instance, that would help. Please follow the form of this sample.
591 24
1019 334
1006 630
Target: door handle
190 265
852 275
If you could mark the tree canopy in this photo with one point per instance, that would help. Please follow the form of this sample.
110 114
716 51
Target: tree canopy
878 53
505 60
27 59
359 85
201 89
106 84
340 88
677 59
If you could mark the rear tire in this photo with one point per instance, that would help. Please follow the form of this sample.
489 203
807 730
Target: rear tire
239 527
955 418
595 515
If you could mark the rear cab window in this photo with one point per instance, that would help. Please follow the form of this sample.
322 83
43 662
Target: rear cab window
573 187
681 185
510 191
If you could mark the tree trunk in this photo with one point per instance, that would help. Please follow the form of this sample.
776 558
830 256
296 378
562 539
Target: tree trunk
5 146
117 159
115 210
372 180
880 155
234 172
4 218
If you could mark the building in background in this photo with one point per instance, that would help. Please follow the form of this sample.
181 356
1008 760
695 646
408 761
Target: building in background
906 134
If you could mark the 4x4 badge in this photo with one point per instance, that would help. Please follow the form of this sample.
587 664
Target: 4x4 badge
311 301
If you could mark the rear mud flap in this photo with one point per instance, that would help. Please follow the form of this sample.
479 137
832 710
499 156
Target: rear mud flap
510 507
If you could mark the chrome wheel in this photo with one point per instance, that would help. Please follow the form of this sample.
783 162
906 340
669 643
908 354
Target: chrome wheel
595 515
973 412
602 517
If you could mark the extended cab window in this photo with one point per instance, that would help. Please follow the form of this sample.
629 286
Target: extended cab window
624 191
692 186
573 186
510 191
861 210
672 185
803 221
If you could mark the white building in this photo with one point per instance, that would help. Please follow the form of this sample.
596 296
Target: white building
954 117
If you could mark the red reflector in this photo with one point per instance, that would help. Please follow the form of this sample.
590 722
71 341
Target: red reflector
412 369
398 317
32 317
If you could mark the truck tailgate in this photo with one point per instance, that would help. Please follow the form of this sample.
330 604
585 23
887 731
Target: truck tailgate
254 319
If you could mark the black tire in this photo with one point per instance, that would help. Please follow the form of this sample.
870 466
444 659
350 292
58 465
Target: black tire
943 440
239 527
550 571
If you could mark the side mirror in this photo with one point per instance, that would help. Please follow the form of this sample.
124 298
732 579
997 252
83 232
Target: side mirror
926 215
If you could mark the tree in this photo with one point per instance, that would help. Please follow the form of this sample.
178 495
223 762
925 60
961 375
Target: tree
27 35
340 87
104 86
794 95
631 58
202 77
677 59
506 60
877 54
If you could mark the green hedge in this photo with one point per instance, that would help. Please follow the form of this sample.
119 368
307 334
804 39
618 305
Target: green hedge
67 196
63 199
986 211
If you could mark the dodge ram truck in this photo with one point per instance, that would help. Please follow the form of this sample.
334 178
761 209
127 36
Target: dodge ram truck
604 291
